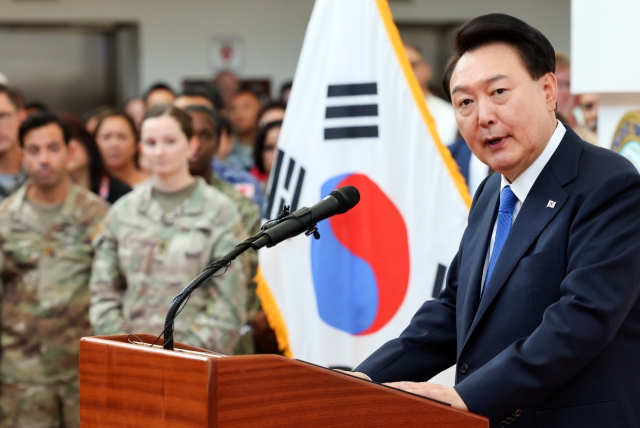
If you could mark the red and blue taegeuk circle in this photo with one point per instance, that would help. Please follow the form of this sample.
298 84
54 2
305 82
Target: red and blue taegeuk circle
361 262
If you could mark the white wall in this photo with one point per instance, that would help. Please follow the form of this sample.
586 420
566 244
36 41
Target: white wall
174 34
604 37
603 59
552 17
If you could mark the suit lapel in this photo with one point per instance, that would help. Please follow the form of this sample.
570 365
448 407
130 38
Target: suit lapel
532 219
472 294
530 222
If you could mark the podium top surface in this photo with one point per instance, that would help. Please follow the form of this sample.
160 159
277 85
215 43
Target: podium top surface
125 384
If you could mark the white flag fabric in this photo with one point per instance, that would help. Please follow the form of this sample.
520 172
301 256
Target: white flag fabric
356 116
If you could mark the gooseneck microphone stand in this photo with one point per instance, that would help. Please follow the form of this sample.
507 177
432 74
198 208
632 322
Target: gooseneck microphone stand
261 239
286 226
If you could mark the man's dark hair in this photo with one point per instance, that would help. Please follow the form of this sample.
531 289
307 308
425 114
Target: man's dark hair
286 86
207 90
534 48
14 96
254 94
198 91
41 119
214 118
36 106
157 87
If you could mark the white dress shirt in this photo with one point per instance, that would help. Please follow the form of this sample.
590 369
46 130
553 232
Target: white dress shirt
445 118
523 184
477 173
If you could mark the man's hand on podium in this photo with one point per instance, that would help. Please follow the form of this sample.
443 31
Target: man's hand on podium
446 394
354 374
434 391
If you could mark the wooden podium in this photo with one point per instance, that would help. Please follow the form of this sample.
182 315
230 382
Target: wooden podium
131 385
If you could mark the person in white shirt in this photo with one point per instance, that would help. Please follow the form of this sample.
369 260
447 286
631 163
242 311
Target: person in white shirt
441 110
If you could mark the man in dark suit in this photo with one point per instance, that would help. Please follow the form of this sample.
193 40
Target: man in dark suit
540 312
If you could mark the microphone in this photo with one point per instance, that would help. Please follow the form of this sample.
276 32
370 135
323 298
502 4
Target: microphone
286 226
339 201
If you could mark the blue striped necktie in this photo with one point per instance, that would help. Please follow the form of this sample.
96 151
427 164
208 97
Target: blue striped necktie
505 218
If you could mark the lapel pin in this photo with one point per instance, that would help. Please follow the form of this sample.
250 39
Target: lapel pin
551 204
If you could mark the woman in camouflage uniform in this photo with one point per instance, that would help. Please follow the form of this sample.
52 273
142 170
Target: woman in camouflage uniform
160 236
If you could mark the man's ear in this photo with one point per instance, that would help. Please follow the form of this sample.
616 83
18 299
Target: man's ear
550 88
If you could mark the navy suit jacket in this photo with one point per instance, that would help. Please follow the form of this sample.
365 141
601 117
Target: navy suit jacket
461 153
555 339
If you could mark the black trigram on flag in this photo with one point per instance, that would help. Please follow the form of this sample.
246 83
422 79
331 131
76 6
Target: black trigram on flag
286 185
350 109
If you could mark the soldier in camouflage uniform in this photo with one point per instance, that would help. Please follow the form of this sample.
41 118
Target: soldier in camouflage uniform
45 263
206 130
247 210
154 242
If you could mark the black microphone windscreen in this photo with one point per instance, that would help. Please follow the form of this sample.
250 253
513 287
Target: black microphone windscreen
348 197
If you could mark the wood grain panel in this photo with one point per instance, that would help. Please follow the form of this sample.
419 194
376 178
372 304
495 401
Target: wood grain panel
132 386
287 393
129 385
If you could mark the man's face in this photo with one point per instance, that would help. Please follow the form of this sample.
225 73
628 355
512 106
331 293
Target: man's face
504 115
590 104
421 69
228 84
203 131
9 124
566 101
245 109
45 156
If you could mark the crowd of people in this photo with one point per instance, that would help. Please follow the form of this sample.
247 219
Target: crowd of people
104 220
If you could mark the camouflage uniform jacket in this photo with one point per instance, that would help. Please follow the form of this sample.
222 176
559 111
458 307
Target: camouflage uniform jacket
250 219
248 210
145 257
21 178
45 293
